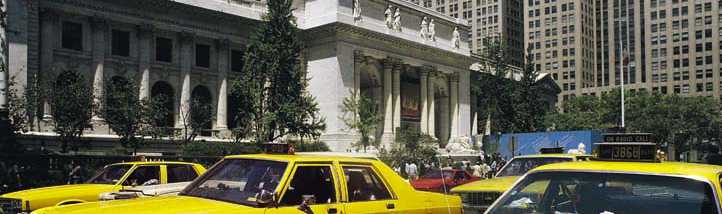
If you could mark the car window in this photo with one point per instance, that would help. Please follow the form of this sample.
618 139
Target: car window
110 174
598 192
238 181
181 173
363 184
313 182
519 166
143 176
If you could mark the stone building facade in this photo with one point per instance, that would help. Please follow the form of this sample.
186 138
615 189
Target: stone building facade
187 49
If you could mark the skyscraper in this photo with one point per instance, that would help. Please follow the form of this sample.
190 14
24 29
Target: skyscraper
670 46
560 34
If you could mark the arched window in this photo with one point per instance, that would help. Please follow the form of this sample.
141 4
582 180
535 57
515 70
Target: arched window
202 106
163 92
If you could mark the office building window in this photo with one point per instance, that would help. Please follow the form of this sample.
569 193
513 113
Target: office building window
163 49
72 36
120 44
203 55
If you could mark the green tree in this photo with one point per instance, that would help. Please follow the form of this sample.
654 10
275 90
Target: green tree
359 112
199 118
127 115
530 107
499 106
271 89
72 108
411 146
581 112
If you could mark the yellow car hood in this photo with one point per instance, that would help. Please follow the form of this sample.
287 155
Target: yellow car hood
49 196
498 184
160 205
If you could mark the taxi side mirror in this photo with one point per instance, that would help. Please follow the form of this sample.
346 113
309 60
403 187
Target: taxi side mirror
266 198
306 203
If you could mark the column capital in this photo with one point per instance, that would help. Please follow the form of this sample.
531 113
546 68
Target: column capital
186 36
145 28
48 14
223 43
369 59
98 22
389 62
358 56
453 77
426 70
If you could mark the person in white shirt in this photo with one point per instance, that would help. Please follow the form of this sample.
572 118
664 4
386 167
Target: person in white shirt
476 169
412 171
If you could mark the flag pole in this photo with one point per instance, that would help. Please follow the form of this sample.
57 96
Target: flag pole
621 63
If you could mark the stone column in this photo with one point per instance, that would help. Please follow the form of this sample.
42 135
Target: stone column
99 28
388 135
397 95
431 100
424 74
145 45
186 61
358 60
223 47
48 41
454 106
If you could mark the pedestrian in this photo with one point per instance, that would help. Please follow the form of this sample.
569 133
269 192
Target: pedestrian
74 175
413 171
485 170
476 169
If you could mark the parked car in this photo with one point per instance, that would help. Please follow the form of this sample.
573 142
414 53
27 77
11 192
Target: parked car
112 178
283 183
477 196
434 182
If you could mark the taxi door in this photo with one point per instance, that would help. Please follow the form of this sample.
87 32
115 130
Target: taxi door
313 185
366 191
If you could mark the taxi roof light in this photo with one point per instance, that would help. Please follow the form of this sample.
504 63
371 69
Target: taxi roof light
552 150
636 147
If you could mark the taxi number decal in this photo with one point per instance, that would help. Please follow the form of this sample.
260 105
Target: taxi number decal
627 152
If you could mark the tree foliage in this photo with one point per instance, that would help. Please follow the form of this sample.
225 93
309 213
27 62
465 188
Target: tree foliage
360 113
72 108
530 108
411 146
666 116
271 89
131 118
200 116
511 105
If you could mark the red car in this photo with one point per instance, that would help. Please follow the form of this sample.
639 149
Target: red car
432 181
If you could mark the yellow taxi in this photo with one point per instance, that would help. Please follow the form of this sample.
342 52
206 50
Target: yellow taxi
478 195
629 178
286 183
113 177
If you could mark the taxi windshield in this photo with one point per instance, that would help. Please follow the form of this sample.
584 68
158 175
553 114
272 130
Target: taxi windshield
110 174
436 174
519 166
238 180
606 193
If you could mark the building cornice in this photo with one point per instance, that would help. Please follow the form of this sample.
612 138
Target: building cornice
367 38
